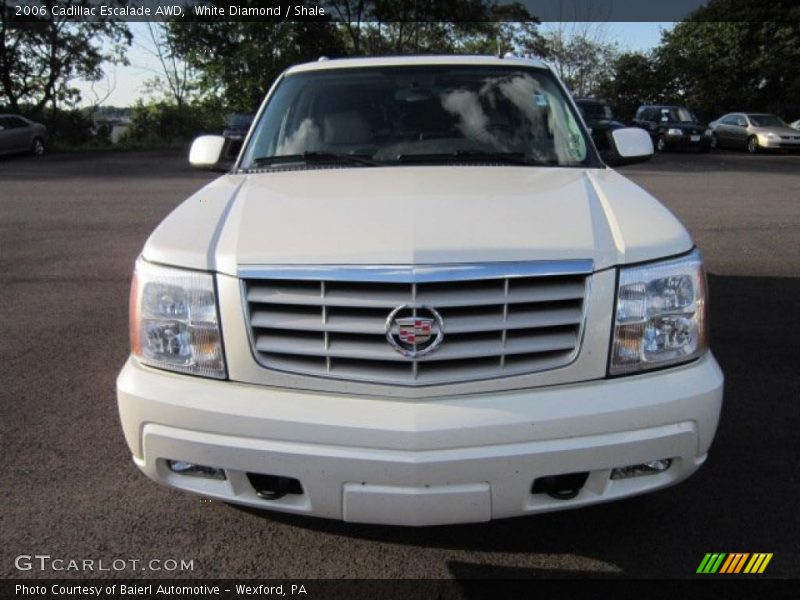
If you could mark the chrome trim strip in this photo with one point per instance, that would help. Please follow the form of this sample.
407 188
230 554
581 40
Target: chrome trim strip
417 273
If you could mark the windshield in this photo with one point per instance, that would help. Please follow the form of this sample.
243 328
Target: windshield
595 111
677 115
401 115
766 121
239 121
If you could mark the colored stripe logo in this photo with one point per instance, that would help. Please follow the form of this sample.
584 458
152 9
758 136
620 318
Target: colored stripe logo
734 562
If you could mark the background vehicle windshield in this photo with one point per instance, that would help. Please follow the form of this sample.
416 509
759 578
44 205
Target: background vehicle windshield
239 121
596 111
400 114
678 115
766 121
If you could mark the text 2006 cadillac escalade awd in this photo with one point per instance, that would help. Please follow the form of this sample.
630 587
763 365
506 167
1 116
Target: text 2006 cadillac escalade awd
419 297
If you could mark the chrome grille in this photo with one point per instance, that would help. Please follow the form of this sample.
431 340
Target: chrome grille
499 320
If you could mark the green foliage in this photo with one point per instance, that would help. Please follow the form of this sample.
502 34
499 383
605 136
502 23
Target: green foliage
718 67
581 59
381 27
39 57
238 61
636 80
727 56
69 127
164 123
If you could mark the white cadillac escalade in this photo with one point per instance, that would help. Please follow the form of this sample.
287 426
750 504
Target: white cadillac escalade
419 296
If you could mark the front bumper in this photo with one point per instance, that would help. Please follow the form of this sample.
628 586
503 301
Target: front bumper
455 459
778 144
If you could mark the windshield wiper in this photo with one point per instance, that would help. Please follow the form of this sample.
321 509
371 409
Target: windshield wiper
311 157
513 158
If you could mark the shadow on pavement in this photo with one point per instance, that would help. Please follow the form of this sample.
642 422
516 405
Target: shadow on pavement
92 165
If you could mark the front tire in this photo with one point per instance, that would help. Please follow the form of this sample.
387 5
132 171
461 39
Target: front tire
752 145
37 146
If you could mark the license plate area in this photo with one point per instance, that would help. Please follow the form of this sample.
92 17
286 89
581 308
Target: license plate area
423 505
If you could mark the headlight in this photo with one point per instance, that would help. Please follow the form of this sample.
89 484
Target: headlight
674 132
174 323
772 136
660 315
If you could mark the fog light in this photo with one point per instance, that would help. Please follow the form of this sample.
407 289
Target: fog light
648 468
186 468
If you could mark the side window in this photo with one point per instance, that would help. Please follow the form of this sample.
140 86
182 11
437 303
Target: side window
16 122
3 124
741 121
729 120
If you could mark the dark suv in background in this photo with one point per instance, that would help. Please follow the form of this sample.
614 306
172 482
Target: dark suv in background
673 126
236 127
600 119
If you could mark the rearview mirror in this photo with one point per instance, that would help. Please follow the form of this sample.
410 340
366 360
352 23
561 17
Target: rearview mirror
628 145
207 153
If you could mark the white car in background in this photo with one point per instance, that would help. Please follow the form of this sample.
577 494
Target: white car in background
19 135
754 131
420 297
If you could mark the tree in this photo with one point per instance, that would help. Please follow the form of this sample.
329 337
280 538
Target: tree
39 56
177 79
580 55
732 56
635 79
423 26
238 60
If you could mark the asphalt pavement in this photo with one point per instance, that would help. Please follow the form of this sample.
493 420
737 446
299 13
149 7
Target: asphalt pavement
70 229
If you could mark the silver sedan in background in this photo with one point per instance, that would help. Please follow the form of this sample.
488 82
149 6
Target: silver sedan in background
19 135
754 131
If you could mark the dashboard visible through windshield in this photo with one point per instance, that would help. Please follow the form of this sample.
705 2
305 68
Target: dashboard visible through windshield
420 114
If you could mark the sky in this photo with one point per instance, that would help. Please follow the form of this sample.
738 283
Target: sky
124 85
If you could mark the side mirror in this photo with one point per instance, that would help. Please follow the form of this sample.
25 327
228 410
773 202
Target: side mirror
207 153
628 145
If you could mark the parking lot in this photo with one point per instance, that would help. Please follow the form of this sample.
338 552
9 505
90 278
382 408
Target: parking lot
70 228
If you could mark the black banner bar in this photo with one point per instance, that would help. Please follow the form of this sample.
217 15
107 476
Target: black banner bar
370 11
389 589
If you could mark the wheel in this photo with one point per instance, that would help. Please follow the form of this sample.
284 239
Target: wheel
752 144
37 146
661 144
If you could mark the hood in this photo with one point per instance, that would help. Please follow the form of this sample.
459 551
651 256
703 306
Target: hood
416 215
